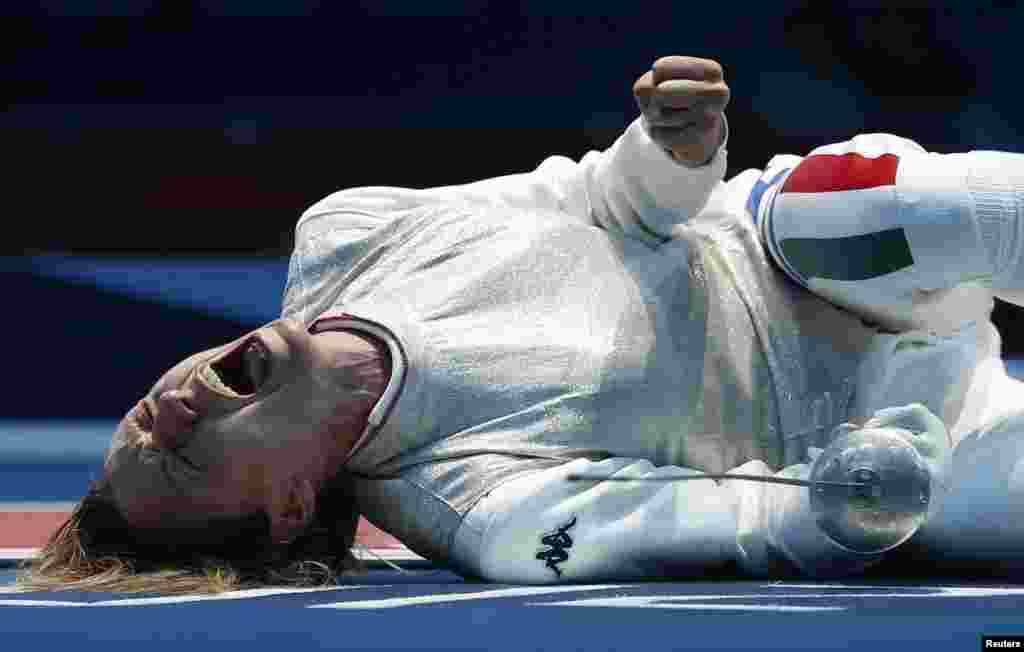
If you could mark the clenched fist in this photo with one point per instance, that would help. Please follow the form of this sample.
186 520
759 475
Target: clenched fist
682 100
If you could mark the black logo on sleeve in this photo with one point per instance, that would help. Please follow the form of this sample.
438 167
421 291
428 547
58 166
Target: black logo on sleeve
558 543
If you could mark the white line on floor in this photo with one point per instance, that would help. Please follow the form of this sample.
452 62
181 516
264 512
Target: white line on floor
460 597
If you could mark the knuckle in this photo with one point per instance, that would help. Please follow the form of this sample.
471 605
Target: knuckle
716 93
663 62
690 67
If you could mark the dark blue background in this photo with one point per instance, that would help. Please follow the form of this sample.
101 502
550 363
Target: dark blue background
184 130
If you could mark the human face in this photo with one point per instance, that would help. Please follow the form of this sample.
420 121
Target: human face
220 429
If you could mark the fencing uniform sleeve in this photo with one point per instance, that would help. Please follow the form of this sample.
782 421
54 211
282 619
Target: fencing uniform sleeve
876 223
634 187
542 528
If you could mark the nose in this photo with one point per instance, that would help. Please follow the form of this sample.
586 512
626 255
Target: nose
172 419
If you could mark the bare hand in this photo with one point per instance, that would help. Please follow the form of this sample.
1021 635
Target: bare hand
682 99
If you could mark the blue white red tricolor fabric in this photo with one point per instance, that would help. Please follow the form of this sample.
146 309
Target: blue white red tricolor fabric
847 200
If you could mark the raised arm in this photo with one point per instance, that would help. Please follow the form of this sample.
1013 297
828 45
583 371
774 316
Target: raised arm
659 173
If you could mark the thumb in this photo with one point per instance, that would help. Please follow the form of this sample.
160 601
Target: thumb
925 431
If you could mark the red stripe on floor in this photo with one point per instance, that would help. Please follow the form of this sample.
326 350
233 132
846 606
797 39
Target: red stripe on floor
28 529
23 529
372 536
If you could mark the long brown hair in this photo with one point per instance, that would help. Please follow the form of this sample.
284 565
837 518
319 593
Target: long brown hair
96 549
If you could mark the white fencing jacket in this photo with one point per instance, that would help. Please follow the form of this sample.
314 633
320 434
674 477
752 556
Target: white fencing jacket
615 315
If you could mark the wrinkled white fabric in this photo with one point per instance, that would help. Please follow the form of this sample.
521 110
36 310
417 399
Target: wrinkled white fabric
616 314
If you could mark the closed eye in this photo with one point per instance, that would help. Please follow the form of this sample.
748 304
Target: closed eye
185 460
177 469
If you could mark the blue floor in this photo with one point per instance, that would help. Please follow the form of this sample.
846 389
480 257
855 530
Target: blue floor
437 610
422 609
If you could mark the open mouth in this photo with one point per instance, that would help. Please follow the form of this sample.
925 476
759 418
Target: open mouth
243 370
